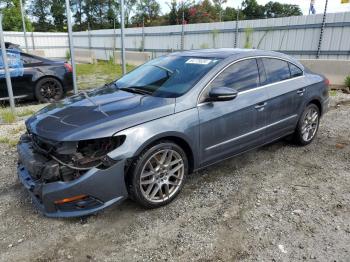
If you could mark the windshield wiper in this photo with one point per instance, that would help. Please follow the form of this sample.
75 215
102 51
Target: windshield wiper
136 90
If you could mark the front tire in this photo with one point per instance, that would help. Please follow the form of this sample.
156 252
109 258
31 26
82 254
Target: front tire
48 89
158 174
307 125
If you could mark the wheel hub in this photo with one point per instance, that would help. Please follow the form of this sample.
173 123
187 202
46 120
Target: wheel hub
162 175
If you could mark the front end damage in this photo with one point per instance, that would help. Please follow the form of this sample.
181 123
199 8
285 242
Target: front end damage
67 179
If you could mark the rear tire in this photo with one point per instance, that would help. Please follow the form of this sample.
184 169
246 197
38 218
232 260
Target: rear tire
157 176
307 126
48 89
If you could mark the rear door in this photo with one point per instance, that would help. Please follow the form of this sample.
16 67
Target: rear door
285 88
230 127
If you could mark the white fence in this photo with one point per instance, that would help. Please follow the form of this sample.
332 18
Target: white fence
297 36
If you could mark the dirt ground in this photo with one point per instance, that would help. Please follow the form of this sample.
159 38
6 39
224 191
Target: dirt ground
279 203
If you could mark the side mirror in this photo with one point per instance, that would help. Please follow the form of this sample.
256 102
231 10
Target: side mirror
222 94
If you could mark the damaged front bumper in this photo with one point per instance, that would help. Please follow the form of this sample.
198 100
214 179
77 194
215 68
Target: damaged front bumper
94 190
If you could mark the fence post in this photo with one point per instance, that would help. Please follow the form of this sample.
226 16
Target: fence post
143 34
6 68
322 29
183 30
33 43
122 36
71 46
24 25
89 37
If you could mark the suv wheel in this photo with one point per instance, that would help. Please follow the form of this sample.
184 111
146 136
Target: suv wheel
157 175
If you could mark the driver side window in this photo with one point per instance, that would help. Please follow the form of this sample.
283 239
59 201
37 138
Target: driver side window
241 76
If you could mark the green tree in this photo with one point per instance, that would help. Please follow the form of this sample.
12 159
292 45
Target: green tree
230 14
148 10
252 10
40 10
219 7
276 9
58 9
77 6
12 19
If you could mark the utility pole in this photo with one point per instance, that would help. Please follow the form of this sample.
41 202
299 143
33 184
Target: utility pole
24 25
6 68
122 27
71 46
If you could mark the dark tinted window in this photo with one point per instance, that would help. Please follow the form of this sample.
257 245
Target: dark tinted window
295 71
29 60
241 76
276 70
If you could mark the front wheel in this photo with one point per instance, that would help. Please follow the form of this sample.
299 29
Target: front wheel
158 174
308 125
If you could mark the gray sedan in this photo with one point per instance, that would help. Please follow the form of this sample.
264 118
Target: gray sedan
140 136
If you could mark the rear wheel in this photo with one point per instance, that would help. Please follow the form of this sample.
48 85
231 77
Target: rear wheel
48 89
158 175
308 125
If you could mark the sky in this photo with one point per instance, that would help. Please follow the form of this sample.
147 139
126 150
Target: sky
333 5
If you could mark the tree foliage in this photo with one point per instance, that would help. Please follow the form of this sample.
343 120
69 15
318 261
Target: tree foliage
50 15
12 19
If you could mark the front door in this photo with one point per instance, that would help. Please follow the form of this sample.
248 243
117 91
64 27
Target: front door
231 127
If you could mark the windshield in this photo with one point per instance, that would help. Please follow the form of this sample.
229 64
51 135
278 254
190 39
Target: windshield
169 76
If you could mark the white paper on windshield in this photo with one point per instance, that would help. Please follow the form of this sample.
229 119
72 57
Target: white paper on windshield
198 61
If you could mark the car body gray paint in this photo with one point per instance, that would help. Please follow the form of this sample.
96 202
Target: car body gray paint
200 125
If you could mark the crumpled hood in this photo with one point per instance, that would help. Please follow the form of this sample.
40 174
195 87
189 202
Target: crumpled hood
104 112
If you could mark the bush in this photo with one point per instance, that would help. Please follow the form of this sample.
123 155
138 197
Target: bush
347 81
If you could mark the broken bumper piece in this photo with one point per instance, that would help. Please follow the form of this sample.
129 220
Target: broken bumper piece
94 190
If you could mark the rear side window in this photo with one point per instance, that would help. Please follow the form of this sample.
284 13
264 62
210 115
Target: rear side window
241 76
295 71
29 60
276 70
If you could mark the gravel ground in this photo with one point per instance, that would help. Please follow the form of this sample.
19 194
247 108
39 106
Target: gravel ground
279 203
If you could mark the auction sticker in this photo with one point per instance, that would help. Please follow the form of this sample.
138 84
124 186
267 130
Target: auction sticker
198 61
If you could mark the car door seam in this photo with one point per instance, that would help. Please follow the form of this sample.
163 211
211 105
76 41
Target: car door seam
251 132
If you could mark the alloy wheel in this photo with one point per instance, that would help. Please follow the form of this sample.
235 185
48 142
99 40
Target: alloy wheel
50 89
310 124
162 175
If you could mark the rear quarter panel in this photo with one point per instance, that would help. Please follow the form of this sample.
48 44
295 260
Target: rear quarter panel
317 90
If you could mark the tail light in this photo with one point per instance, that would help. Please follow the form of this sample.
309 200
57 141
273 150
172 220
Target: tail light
68 67
326 81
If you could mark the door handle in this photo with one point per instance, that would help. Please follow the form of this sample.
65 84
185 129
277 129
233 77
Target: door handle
260 106
301 91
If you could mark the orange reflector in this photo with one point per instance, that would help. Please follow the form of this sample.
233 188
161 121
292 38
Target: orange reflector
70 199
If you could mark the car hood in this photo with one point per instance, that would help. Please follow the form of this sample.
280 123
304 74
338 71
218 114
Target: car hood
96 114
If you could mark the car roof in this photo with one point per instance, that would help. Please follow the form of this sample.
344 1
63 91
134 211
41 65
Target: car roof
234 53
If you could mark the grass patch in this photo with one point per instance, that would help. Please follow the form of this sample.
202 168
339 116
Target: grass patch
333 92
7 116
101 67
99 73
10 142
25 112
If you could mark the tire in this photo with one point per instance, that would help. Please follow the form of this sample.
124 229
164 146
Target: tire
165 181
307 126
48 89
